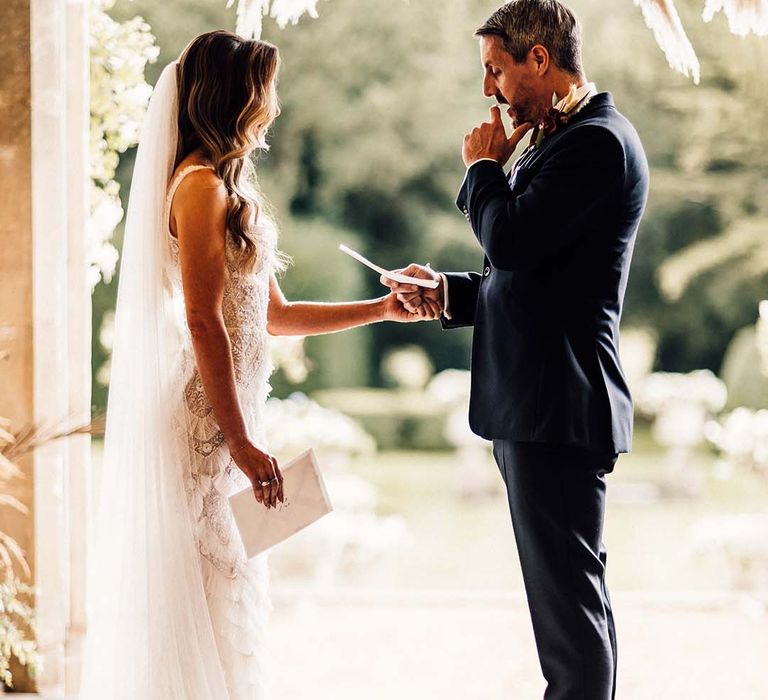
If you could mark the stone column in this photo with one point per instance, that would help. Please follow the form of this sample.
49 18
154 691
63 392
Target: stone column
79 329
44 305
49 316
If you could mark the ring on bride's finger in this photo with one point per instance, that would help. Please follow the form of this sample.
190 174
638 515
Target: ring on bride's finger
265 483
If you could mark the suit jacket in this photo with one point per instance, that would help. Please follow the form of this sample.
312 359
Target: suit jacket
558 238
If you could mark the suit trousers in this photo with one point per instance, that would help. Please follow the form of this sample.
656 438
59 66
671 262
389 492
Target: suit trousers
557 502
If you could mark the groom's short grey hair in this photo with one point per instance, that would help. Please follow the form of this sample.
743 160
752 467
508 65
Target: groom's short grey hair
521 24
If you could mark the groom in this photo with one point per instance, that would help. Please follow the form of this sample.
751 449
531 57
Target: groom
547 385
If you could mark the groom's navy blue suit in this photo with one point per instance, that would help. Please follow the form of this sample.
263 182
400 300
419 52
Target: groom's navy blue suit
547 385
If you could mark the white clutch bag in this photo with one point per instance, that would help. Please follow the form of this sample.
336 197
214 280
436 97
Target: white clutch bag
306 501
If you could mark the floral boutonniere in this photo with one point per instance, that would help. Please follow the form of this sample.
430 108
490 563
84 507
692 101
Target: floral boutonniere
554 119
558 115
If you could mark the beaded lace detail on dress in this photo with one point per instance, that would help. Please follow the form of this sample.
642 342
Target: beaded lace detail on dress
236 588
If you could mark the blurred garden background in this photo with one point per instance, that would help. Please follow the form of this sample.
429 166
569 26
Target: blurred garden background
412 588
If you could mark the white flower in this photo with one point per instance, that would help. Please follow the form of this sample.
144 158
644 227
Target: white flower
408 367
744 16
741 536
637 349
762 334
662 18
288 355
285 11
742 437
298 423
119 53
250 13
450 386
700 387
107 332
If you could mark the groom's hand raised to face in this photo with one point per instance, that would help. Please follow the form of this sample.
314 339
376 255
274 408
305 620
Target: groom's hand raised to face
418 300
489 140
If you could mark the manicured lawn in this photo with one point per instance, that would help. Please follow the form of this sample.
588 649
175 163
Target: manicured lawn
460 543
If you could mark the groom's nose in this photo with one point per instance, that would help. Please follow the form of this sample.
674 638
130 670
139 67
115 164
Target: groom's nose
489 86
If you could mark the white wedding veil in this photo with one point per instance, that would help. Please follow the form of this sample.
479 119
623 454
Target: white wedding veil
149 631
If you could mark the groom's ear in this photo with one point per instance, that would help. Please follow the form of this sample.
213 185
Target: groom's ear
539 57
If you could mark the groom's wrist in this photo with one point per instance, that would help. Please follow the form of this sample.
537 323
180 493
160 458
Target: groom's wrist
444 302
480 160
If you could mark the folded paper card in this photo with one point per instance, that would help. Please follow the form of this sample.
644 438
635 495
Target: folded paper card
306 501
395 276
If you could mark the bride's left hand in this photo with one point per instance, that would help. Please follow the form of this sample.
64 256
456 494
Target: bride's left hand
395 311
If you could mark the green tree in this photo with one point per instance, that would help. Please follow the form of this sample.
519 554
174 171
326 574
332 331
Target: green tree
376 97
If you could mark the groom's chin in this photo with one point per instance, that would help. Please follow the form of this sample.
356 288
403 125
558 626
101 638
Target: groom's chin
515 117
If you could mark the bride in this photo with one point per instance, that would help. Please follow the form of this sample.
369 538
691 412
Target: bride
176 611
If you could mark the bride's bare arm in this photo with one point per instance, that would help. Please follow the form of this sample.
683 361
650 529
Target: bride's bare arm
316 318
199 217
199 222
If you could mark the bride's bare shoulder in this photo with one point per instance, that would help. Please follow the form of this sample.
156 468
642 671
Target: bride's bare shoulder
195 174
198 180
203 182
200 199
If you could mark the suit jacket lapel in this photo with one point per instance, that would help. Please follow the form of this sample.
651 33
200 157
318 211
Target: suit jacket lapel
520 162
532 155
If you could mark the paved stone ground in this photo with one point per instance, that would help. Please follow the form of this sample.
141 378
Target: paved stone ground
454 648
437 646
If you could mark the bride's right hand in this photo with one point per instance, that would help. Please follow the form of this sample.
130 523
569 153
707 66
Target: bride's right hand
260 467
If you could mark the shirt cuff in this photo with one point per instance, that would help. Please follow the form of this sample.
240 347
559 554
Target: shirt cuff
446 304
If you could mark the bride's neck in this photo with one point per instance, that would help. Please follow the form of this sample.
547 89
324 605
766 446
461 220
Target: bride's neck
198 156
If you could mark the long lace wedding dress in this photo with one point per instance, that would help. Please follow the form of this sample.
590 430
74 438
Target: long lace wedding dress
175 610
235 587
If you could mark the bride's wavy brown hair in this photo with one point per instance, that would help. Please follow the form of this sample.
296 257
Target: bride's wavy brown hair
227 100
